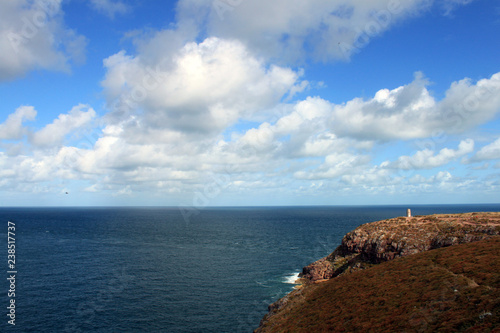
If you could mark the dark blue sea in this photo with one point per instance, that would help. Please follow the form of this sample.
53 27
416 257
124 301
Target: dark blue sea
153 270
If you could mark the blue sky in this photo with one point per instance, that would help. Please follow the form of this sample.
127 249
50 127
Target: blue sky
234 102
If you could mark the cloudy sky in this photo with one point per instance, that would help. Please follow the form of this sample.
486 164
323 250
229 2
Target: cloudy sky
249 102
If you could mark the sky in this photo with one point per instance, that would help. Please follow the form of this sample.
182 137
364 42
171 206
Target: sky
199 103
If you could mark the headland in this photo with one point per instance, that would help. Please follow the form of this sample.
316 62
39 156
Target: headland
389 269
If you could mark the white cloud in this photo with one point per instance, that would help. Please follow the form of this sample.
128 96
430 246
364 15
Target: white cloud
407 112
202 88
187 115
298 145
391 114
290 30
92 189
53 134
374 176
334 166
488 152
33 36
441 178
35 169
12 128
127 191
484 166
426 159
302 132
410 112
467 104
110 7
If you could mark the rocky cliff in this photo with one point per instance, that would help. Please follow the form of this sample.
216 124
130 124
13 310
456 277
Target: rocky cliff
376 242
451 289
379 242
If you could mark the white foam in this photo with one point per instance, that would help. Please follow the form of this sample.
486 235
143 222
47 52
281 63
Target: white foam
291 278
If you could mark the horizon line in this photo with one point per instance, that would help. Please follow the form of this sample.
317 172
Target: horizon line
259 206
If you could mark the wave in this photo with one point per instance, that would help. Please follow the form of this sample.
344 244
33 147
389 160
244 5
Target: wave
291 278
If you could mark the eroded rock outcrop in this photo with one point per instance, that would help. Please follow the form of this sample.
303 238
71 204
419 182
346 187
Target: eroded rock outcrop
451 289
377 242
385 240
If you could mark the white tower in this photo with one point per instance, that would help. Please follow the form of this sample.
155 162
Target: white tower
408 212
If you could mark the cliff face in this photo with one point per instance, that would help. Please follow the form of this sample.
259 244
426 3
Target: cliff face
377 243
381 241
452 289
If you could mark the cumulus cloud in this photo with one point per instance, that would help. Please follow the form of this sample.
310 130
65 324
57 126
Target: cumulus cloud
53 134
301 136
441 178
295 143
290 30
36 168
190 113
410 111
300 132
33 36
203 88
488 152
182 109
334 166
407 112
427 159
124 191
12 128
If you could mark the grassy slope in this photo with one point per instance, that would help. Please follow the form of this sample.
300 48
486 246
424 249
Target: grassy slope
450 289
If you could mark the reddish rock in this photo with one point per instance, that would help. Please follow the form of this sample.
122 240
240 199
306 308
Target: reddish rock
376 242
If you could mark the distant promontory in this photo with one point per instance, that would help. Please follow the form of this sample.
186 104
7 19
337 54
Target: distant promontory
419 292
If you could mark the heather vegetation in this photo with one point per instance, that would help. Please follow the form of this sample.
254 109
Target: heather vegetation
376 242
452 289
436 273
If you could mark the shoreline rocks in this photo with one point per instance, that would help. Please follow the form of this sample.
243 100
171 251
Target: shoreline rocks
373 243
377 242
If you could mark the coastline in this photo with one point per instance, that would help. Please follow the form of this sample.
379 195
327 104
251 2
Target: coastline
382 241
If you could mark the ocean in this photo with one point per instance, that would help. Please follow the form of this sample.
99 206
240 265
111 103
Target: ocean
153 270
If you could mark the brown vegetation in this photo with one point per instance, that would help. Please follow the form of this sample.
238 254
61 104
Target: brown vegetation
360 288
381 241
453 289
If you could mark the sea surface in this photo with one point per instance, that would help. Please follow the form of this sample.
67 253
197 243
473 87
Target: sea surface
153 270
